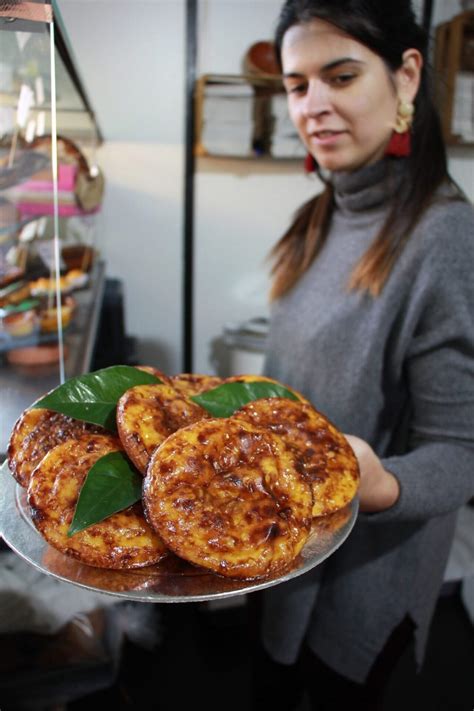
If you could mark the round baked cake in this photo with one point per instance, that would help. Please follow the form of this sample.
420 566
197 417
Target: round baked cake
148 414
121 541
226 495
189 384
37 431
322 453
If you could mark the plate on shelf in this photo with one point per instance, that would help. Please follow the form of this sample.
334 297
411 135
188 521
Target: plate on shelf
9 343
171 580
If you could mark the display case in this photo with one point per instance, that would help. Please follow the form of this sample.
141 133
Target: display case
51 270
244 116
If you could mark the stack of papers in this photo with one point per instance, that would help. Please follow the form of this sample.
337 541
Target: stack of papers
463 112
228 119
285 140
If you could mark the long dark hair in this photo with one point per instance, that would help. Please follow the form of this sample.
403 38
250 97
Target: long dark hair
388 28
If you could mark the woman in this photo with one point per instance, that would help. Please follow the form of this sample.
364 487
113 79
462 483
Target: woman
372 319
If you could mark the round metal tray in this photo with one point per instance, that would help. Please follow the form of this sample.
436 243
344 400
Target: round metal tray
171 580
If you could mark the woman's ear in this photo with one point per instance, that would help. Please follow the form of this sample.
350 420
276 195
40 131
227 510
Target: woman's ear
408 76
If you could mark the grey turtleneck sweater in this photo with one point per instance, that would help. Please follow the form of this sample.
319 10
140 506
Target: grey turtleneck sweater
398 371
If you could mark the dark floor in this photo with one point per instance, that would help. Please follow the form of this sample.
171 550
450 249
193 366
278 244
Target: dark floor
446 681
204 660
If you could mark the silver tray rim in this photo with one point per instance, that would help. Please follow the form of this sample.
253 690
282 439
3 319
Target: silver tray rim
19 533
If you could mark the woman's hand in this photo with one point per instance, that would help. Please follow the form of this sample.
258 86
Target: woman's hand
378 488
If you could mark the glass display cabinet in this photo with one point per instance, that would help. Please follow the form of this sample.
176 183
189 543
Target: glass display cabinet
51 273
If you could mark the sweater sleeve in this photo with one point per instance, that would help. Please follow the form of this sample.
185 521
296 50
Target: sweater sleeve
436 475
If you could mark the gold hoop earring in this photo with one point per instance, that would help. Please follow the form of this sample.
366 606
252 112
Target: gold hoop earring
405 114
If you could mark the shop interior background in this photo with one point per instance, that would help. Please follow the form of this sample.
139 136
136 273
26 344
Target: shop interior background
131 57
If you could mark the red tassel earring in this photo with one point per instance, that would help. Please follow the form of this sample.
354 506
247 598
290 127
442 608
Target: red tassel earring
399 145
400 142
310 164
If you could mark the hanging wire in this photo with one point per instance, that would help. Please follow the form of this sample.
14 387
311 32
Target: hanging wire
54 160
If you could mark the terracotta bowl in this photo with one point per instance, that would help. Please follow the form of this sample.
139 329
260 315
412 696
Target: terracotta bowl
36 355
261 59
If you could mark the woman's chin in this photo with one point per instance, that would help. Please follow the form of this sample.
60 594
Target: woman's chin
332 161
337 161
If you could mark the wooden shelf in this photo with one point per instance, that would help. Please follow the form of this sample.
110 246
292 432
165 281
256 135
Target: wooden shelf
260 123
450 59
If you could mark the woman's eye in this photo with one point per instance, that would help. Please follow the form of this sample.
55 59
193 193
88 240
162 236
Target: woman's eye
296 89
341 79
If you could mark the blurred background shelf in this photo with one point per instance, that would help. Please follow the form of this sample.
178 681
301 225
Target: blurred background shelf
244 117
454 65
21 385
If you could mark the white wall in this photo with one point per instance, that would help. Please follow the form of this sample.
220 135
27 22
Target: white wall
141 230
131 56
240 214
444 10
227 28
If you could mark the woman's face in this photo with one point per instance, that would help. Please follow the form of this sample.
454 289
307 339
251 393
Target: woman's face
341 96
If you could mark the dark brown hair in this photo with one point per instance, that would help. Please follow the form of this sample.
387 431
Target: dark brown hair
388 28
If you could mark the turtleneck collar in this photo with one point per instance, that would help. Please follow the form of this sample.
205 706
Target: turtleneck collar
369 187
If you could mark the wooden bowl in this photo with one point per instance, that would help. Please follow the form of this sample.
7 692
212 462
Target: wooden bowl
78 256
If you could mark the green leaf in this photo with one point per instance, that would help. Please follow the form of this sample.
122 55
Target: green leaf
19 308
224 400
93 397
110 486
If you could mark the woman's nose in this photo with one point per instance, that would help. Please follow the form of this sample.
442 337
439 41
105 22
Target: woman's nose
316 99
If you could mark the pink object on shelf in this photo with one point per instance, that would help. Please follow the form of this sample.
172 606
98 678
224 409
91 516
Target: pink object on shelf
35 196
66 180
43 208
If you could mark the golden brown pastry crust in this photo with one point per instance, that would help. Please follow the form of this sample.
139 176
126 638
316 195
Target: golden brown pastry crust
323 454
189 384
121 541
36 432
147 415
225 494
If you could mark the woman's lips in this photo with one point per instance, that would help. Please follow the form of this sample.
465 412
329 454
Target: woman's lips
326 137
